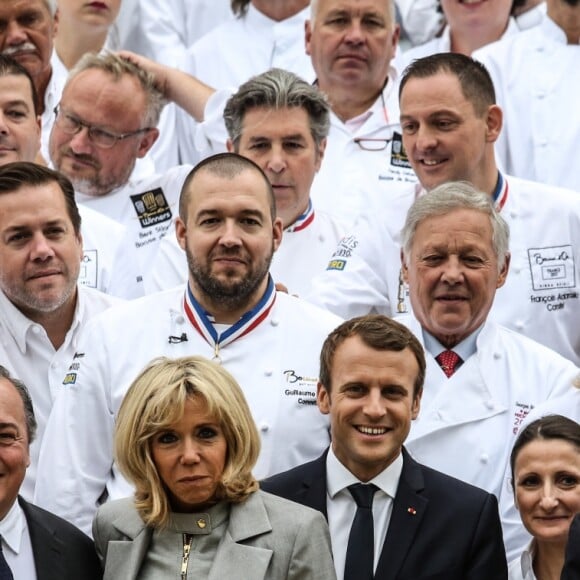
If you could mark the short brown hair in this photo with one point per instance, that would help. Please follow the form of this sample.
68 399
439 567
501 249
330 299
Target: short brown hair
18 174
378 332
155 400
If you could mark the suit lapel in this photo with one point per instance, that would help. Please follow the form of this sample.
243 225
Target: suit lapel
409 507
313 491
48 549
125 557
247 520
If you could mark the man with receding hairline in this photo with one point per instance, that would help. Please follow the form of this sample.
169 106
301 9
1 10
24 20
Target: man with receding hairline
229 311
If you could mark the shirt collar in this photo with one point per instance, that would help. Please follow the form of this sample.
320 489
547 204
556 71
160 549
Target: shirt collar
527 560
553 31
466 348
338 477
19 325
12 527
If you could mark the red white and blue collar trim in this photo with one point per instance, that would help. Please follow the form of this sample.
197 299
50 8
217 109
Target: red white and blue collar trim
302 221
203 322
500 193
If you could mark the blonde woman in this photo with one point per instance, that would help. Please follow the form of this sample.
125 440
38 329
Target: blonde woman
187 441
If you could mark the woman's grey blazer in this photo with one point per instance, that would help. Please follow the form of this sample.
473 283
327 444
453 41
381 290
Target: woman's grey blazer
267 538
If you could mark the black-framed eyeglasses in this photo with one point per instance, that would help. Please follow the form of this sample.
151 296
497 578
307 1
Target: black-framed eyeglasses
71 125
370 144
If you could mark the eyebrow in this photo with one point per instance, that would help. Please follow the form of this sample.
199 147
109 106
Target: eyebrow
17 102
245 212
5 425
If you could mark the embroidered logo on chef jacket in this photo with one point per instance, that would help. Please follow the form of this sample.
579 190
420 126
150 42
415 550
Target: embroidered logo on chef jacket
151 207
342 252
89 269
521 412
552 268
301 387
398 154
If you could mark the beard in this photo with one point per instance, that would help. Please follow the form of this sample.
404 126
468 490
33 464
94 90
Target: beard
229 291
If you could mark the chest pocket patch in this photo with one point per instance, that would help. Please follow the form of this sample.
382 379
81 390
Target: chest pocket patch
151 207
398 154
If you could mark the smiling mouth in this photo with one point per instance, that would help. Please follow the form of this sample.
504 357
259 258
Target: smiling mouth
371 430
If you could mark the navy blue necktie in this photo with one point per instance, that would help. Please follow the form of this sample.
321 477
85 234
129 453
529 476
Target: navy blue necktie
361 540
5 572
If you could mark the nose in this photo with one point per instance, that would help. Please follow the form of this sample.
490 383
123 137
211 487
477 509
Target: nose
230 235
452 270
15 34
41 248
3 125
80 141
277 160
189 453
374 407
425 139
549 500
354 33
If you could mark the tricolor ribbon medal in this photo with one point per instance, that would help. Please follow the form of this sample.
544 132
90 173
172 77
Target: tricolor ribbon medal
203 322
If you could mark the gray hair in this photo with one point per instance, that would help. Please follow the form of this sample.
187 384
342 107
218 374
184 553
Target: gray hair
314 11
116 66
51 5
451 196
26 402
277 89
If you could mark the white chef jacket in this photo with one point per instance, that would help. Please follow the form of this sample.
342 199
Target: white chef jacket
146 208
303 253
276 364
420 19
26 351
443 43
173 26
537 82
241 48
541 296
469 422
109 263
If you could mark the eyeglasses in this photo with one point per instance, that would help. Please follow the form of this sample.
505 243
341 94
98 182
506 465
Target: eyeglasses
369 144
71 125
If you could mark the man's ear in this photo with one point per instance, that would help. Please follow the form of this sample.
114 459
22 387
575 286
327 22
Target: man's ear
147 140
230 146
322 399
180 233
494 122
404 269
307 37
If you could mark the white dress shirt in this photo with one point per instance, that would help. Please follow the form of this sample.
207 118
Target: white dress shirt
16 544
522 567
341 507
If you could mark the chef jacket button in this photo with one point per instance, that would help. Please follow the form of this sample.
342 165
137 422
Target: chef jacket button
268 372
264 427
36 329
520 325
490 405
517 270
274 322
496 355
54 365
321 238
484 458
180 319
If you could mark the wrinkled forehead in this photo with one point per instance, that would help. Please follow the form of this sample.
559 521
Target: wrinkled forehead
354 7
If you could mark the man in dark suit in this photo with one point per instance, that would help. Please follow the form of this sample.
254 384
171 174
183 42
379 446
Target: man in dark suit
34 544
424 524
571 570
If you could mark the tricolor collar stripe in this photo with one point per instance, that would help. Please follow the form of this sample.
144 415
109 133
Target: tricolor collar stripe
202 322
303 221
500 193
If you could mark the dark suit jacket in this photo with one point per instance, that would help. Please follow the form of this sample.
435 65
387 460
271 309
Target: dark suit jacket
571 570
440 529
61 551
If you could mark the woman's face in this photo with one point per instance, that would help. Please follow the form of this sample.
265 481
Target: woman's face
547 487
190 457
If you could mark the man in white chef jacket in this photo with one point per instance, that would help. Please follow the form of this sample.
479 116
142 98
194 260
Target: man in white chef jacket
536 77
450 124
482 379
280 122
229 311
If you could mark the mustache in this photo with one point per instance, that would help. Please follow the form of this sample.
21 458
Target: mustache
25 46
84 157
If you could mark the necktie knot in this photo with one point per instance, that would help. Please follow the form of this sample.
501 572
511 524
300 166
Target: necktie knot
363 494
449 361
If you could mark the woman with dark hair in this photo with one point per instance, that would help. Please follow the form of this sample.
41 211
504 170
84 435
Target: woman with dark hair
545 467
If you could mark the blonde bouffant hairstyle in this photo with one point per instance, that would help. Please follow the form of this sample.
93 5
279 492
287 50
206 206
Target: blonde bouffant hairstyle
155 400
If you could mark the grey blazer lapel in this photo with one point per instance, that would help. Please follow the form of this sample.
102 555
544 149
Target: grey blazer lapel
234 559
125 557
48 549
409 507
